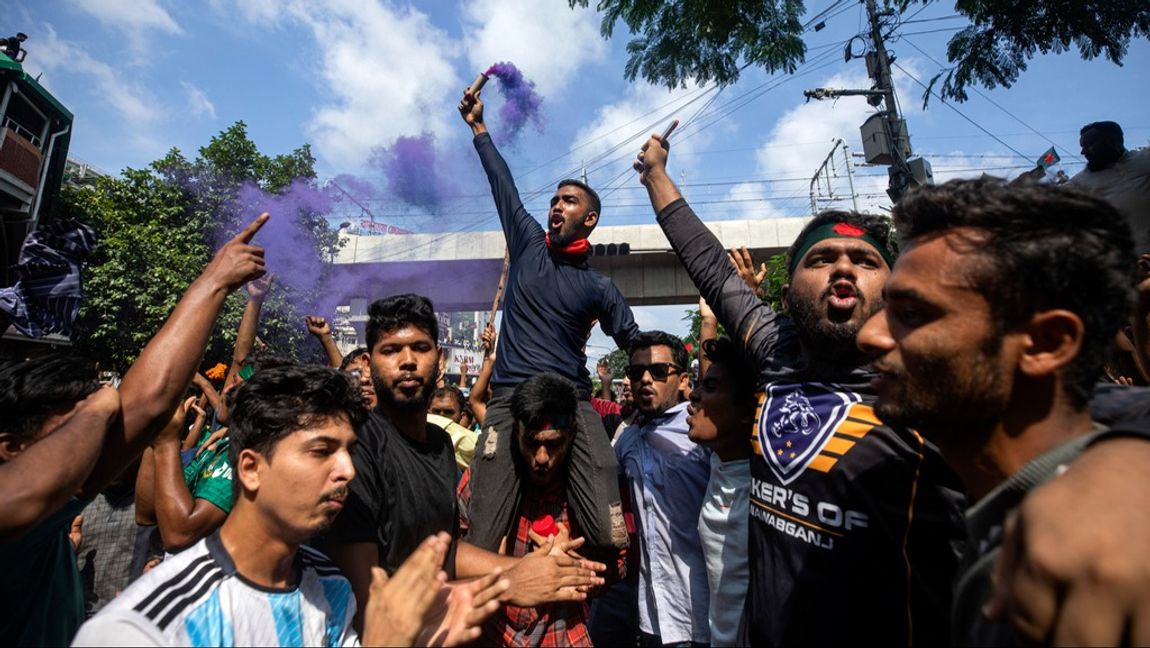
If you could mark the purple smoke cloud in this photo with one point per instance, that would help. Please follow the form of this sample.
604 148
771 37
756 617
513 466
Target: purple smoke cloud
522 104
413 171
287 237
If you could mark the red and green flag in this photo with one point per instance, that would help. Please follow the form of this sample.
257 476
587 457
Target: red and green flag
1049 159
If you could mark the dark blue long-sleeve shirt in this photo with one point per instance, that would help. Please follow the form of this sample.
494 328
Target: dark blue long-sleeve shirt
550 302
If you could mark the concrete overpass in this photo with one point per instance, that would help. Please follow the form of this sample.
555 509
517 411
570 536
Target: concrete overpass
460 271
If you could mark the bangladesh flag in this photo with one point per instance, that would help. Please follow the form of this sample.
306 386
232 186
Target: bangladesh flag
1049 159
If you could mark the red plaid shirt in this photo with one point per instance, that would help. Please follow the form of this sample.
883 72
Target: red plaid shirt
554 624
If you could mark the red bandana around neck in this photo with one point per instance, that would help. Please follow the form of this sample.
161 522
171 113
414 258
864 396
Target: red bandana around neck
578 247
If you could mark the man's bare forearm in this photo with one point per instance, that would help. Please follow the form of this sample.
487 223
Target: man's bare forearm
334 357
182 519
146 489
155 383
37 482
471 561
245 337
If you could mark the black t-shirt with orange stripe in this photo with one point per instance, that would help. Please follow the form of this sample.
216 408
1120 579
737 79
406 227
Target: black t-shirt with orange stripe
855 527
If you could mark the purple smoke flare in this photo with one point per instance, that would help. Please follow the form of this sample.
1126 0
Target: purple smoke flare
522 104
288 243
412 171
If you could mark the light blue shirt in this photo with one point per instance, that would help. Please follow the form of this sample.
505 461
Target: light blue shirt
723 528
668 475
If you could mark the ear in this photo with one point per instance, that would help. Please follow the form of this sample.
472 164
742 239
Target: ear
247 470
1053 341
11 446
591 220
783 300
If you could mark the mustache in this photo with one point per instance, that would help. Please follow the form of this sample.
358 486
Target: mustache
334 494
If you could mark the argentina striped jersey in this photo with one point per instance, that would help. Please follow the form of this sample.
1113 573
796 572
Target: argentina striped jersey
196 598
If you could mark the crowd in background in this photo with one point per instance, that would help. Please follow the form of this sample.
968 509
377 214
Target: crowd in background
941 437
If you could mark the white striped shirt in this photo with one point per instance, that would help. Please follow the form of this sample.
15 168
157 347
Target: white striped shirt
197 598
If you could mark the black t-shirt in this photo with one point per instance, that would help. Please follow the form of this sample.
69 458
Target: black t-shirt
855 527
403 491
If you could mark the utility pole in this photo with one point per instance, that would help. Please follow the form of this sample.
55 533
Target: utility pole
885 138
898 172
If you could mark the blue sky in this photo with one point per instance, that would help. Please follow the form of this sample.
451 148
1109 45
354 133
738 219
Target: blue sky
348 76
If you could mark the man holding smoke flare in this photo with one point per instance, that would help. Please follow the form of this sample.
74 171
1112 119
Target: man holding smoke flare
553 298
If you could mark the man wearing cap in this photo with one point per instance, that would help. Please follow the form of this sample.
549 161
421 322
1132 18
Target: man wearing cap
552 301
852 522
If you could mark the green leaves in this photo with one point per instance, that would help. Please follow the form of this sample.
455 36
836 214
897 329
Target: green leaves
704 40
676 41
159 227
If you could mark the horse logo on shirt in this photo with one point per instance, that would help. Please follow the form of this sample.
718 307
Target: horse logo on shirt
797 417
795 421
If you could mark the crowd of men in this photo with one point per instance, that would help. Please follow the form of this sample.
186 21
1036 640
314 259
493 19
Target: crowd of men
939 439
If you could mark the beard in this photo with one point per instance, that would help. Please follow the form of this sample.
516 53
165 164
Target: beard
393 398
1102 160
561 239
952 405
827 339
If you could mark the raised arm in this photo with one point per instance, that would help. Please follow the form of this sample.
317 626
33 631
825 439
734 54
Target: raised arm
193 433
209 391
753 323
603 369
246 336
155 383
42 478
519 227
181 518
481 391
708 330
319 327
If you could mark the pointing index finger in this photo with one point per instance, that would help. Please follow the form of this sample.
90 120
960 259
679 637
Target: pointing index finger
253 227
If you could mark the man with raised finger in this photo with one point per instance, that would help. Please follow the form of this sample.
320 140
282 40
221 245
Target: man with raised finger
853 523
63 439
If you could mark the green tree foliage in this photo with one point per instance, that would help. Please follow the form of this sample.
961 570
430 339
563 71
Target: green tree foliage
705 40
676 41
159 227
1003 36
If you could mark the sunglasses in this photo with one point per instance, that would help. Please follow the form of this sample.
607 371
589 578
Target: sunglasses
658 370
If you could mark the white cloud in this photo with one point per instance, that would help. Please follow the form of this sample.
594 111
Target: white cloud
58 59
198 102
800 140
137 20
752 201
617 130
387 72
546 40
